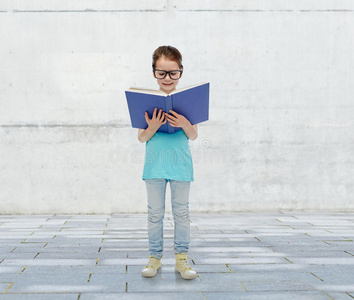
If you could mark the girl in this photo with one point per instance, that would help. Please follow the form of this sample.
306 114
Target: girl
168 159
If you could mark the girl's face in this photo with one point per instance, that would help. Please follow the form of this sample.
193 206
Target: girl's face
167 85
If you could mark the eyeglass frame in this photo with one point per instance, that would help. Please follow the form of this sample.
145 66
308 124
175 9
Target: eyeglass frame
169 73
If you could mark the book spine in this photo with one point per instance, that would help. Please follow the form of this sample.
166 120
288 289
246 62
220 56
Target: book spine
168 108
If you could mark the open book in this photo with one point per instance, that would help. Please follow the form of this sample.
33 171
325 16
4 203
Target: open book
191 102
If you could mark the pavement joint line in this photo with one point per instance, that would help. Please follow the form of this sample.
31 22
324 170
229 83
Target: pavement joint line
99 250
45 245
349 253
350 295
126 287
327 243
13 250
341 241
23 270
290 226
97 261
36 255
33 233
9 287
316 276
278 220
310 224
79 296
199 277
54 236
2 260
243 286
204 296
330 297
307 234
89 277
257 239
126 269
288 260
270 247
227 266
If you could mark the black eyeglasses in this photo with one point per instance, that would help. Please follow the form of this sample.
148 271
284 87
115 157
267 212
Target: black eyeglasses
161 74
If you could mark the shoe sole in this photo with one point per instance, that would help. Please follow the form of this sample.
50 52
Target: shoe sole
149 276
186 277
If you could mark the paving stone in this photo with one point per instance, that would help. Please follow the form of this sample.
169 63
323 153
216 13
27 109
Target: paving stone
237 256
143 296
35 296
240 260
270 276
172 282
281 285
323 260
33 270
341 296
48 262
298 295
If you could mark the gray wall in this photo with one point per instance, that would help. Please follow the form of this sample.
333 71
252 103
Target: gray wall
281 131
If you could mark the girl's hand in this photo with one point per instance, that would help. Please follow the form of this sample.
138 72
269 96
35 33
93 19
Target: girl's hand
177 120
157 119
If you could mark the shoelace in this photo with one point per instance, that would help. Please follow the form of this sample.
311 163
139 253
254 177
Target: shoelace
151 263
184 266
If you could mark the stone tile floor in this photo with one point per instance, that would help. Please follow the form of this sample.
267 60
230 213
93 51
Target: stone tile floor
281 255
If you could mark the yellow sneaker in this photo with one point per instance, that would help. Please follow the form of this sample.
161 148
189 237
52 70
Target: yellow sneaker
151 268
183 267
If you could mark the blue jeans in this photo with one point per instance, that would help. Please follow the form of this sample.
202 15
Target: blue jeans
156 191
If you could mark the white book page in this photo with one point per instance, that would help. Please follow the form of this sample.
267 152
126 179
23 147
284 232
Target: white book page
161 93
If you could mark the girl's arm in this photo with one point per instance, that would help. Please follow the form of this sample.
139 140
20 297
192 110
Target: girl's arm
191 131
154 124
177 120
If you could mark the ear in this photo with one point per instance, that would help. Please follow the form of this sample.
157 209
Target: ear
181 68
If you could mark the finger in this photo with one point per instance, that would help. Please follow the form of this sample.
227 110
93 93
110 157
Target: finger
159 114
163 117
170 117
172 122
147 117
174 113
154 113
164 122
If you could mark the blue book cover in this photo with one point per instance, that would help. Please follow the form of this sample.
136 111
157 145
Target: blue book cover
191 102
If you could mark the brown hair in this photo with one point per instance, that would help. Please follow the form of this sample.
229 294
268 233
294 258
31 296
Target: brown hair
169 52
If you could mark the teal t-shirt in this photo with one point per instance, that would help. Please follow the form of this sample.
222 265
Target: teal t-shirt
168 156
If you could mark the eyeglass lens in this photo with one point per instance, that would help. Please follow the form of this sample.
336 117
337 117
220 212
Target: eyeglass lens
160 74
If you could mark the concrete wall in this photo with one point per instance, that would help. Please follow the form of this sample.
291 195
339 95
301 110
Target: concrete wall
281 130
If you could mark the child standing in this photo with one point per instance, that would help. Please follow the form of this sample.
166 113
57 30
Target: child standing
168 159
